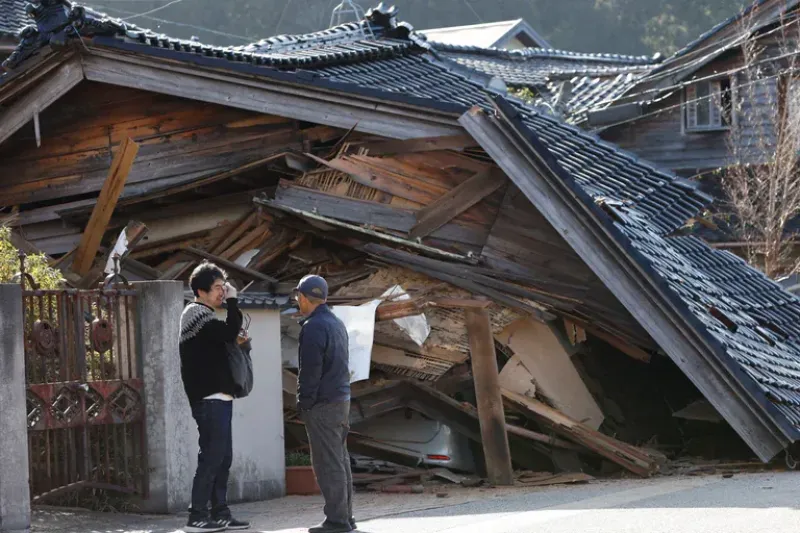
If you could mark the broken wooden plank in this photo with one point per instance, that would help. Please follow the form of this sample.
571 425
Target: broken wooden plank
393 310
370 213
542 354
541 437
106 202
238 229
546 479
575 332
203 181
490 401
457 276
230 265
459 303
625 455
455 202
246 242
424 144
399 362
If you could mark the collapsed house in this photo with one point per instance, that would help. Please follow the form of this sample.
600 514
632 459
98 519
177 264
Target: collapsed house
416 183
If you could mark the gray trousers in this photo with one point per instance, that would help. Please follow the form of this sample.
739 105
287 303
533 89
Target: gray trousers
327 425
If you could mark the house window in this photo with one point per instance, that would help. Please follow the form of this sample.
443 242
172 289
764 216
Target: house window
707 105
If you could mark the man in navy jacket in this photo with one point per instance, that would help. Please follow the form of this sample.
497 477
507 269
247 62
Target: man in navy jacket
323 400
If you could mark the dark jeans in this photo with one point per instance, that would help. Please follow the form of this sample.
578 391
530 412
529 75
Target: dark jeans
327 426
213 419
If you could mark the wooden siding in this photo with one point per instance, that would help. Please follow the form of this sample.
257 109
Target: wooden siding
180 141
662 139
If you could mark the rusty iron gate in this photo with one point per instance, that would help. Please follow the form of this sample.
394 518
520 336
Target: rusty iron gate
85 406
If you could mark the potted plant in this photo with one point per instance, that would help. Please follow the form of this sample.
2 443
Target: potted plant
300 478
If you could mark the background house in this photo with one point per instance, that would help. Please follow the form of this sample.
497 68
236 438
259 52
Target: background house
509 35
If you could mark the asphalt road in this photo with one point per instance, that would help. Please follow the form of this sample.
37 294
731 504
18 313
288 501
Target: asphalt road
752 503
766 503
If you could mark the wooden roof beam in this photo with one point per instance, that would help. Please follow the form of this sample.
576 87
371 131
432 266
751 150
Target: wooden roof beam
106 202
40 98
324 107
456 201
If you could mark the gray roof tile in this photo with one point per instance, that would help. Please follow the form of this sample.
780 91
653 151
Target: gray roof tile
12 16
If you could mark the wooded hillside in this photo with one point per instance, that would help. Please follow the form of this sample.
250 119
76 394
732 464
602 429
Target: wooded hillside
620 26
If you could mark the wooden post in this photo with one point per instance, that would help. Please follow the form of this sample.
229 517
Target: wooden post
490 399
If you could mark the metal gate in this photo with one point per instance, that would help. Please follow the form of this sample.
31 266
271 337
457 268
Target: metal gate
85 407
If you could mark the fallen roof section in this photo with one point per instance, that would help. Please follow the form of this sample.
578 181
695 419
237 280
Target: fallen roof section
700 322
613 210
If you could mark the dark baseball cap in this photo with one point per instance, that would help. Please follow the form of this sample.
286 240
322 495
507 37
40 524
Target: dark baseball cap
313 287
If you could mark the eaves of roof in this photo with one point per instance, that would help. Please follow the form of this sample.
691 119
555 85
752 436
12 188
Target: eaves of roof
546 53
295 76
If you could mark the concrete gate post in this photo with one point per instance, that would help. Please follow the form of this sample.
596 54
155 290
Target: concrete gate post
15 502
171 432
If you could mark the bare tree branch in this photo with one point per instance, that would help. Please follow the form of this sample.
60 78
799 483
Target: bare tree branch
762 181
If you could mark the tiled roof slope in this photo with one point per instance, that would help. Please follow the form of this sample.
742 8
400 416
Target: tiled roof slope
590 92
605 171
534 66
755 321
596 79
12 16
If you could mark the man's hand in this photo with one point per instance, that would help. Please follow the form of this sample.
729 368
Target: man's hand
230 291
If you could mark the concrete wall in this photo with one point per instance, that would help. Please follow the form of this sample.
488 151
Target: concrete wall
171 431
15 505
290 332
258 470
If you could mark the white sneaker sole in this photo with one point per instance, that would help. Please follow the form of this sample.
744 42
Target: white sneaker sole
190 529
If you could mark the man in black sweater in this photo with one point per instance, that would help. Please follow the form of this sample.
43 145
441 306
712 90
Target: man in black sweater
209 384
323 400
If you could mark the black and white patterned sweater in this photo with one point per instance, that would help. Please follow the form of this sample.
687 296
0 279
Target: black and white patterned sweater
204 360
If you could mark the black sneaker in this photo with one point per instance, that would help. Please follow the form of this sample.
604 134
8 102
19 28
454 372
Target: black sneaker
231 523
203 525
353 523
331 527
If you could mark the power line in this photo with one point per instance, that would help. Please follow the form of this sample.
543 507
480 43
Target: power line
280 19
718 47
173 2
680 85
699 99
182 24
473 10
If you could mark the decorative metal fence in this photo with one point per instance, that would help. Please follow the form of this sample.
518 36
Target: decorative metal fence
85 406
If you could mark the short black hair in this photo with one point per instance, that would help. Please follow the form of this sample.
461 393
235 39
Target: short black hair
204 276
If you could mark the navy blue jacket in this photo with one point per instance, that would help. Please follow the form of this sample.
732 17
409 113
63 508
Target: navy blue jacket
324 375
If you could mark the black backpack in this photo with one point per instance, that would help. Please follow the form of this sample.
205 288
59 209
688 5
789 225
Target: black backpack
241 364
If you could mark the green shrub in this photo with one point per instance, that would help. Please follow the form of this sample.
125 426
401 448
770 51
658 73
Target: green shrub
298 459
35 265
